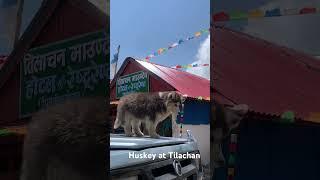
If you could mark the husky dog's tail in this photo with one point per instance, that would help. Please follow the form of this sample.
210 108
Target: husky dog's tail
120 118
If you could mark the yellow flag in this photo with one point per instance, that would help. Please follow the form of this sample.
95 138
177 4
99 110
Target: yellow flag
255 13
197 34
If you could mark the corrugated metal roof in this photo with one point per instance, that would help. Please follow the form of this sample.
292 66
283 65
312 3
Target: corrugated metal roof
186 83
267 77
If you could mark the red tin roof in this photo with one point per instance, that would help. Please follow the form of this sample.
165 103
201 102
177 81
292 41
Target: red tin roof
185 83
269 78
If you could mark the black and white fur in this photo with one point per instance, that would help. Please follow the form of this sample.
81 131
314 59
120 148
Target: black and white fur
147 108
225 119
68 141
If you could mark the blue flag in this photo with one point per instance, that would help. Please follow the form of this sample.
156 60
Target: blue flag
116 56
114 62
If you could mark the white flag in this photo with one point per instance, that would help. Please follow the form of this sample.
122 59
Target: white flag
114 62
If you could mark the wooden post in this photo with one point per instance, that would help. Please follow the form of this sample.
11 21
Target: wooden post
18 22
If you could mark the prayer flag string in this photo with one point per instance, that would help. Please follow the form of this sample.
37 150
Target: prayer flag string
174 45
187 66
257 13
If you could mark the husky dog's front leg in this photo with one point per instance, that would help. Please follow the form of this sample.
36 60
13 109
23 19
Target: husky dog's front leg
127 128
145 129
175 127
136 128
151 126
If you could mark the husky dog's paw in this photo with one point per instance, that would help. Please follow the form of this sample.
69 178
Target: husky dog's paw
157 136
129 134
139 134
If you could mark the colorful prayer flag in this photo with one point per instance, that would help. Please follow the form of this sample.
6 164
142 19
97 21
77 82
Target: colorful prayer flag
114 61
292 11
197 34
273 12
308 10
255 13
189 38
174 45
162 50
232 159
238 15
230 171
221 16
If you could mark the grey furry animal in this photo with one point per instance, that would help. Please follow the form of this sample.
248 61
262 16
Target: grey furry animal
147 108
225 119
68 141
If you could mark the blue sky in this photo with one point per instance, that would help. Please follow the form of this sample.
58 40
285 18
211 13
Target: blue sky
297 32
141 27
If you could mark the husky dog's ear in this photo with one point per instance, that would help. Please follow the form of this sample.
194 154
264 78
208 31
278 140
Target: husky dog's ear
235 114
183 98
241 109
170 95
174 96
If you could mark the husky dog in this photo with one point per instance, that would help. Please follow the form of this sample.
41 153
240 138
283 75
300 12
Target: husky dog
68 141
225 119
147 108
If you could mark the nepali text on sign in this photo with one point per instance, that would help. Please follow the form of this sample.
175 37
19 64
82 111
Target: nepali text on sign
67 69
135 82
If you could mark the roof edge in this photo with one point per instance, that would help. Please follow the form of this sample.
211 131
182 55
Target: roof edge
35 27
85 5
30 34
123 66
174 69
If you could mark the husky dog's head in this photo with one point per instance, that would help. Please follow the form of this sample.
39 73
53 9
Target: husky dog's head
234 115
173 101
225 120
